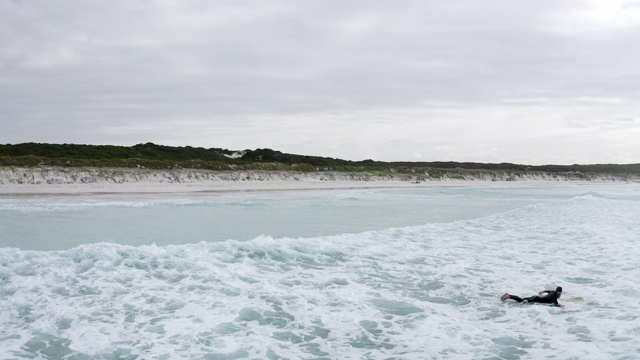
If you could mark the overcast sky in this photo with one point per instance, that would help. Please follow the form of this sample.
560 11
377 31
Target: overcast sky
527 81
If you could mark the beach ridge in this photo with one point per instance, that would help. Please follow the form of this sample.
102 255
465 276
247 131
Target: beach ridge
78 180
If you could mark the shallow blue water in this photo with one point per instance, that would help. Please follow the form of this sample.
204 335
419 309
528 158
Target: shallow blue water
343 274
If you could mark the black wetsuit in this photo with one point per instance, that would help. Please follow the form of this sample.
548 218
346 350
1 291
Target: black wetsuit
550 297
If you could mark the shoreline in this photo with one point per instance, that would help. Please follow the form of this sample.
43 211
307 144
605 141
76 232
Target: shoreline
265 186
73 181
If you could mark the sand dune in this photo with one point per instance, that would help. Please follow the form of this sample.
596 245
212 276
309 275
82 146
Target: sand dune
94 180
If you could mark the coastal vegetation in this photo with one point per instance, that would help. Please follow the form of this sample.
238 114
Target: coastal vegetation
159 157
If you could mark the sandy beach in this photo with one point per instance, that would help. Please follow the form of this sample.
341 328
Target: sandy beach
222 186
65 182
242 186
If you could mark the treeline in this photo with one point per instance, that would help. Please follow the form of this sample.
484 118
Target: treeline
152 156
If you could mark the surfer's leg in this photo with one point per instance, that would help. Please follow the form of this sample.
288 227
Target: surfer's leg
512 297
533 299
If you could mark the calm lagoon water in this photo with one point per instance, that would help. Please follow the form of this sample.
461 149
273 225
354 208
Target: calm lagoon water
340 274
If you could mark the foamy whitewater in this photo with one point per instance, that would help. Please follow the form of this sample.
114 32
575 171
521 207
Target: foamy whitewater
340 274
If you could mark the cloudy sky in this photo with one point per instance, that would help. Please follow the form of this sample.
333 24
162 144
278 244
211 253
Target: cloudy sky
528 81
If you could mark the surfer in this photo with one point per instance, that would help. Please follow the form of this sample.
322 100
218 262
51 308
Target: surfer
544 297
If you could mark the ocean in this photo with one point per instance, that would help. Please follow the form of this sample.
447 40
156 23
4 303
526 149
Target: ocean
335 274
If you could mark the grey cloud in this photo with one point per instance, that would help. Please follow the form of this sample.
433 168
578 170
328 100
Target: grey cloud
111 72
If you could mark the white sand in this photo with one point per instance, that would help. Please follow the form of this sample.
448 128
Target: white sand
239 186
16 181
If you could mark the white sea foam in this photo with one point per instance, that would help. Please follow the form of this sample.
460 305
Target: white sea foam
408 292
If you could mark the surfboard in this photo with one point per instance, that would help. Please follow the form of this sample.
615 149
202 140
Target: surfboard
573 299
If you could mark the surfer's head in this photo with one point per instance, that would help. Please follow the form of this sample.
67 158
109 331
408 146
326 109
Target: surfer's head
559 291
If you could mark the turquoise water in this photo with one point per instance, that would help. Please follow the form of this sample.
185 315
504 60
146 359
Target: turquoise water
341 274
